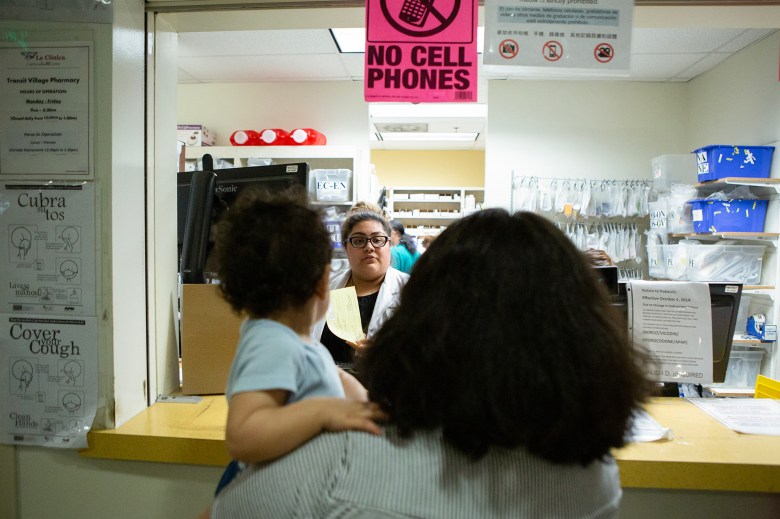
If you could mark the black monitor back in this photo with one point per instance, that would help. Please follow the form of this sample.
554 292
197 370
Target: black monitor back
203 197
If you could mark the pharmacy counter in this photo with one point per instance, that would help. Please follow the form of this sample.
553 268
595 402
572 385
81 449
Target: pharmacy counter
703 455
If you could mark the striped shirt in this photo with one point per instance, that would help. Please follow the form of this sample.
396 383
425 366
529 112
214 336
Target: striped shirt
357 475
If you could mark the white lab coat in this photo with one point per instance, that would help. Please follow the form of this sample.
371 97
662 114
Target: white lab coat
386 301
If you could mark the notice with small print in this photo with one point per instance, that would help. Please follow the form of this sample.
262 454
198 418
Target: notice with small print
673 321
584 34
344 315
46 115
421 51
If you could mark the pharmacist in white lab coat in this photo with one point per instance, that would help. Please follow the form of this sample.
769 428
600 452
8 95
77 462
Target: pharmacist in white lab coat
366 238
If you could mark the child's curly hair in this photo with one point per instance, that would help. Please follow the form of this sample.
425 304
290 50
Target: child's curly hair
271 251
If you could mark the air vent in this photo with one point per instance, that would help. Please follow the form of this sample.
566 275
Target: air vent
402 127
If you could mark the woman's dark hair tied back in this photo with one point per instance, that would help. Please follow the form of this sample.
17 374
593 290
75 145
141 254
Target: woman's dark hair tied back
404 239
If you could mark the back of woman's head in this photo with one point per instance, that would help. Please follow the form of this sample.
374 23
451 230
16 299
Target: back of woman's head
271 251
404 239
504 337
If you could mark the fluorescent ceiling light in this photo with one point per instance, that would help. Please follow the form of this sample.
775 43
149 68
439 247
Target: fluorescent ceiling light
354 39
465 136
350 39
427 110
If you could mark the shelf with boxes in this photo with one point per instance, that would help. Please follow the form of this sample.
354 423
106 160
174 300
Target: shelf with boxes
723 227
340 168
428 210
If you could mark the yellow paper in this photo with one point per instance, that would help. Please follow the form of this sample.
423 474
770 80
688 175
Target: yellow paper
344 315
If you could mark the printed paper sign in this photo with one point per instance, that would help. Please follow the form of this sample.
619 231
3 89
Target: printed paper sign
344 315
45 120
48 233
421 50
673 321
48 379
585 34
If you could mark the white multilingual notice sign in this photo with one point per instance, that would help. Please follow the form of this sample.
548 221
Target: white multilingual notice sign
573 34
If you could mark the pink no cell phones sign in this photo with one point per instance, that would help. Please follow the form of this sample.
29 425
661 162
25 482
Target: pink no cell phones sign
421 51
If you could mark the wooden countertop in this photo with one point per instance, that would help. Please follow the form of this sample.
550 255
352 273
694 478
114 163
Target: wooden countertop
702 455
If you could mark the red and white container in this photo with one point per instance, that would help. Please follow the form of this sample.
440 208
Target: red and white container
307 137
274 137
245 138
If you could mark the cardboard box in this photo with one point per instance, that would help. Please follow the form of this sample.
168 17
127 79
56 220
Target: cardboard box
209 335
195 135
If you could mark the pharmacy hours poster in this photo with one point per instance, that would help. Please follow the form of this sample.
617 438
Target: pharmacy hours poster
46 113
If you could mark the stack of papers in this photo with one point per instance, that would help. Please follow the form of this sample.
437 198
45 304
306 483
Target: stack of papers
743 415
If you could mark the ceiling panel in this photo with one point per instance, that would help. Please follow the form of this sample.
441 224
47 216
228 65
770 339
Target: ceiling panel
657 55
240 69
256 43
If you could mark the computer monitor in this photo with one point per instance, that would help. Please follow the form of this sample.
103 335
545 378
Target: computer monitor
204 196
724 304
609 277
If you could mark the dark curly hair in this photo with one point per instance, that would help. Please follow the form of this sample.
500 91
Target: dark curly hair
271 251
504 337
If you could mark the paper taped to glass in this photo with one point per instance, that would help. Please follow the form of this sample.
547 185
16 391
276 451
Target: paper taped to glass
344 315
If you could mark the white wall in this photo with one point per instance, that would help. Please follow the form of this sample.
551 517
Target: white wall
612 129
336 108
579 129
738 102
119 177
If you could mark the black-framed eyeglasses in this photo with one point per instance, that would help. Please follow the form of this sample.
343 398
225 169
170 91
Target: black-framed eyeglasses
360 241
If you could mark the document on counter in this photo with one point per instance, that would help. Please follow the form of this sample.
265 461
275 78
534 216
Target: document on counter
344 315
644 428
743 415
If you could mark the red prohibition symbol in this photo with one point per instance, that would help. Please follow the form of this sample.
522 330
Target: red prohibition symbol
604 53
552 51
508 49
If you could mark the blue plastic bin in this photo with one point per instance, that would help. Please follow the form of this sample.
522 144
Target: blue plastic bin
715 216
719 161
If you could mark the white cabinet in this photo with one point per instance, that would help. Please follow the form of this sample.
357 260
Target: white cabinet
428 210
318 157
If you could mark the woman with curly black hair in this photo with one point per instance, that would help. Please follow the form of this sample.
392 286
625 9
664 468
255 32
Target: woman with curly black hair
507 377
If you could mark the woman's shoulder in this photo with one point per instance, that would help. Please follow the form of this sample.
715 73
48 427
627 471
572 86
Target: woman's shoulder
395 276
339 280
422 495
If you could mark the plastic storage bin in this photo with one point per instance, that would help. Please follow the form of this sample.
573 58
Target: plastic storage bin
720 161
696 262
673 169
675 265
743 368
332 185
734 263
655 261
714 216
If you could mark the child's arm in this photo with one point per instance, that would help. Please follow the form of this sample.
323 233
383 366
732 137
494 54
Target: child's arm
353 389
260 427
